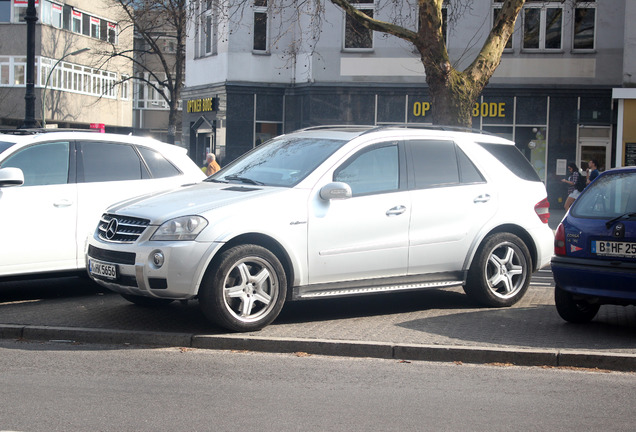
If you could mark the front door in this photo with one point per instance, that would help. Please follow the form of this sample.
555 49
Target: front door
365 236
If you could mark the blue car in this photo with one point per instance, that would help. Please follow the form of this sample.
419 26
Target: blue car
595 248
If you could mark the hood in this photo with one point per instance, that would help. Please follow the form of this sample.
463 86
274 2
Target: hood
190 200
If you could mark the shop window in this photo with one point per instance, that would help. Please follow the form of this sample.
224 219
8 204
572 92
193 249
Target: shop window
265 131
584 25
542 25
355 35
260 26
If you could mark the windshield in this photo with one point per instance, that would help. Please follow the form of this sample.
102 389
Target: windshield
283 161
608 197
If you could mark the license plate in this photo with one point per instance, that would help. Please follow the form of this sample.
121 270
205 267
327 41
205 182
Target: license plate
614 248
98 268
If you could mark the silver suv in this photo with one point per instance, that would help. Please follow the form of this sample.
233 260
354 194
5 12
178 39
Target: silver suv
331 212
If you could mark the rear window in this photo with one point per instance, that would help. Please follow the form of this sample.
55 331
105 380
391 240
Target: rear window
609 196
513 159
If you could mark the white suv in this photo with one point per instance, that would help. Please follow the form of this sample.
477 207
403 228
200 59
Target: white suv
334 211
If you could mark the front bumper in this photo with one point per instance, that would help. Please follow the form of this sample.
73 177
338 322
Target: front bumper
604 280
178 278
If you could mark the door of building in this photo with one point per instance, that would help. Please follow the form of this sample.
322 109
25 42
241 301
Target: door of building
598 149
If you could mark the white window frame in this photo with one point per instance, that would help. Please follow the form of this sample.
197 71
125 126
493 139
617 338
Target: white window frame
76 21
543 8
95 27
261 9
370 6
585 5
510 45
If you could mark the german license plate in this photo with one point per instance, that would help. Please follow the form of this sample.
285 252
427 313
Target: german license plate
98 268
614 248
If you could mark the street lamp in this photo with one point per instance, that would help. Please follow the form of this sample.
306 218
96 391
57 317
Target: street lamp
46 84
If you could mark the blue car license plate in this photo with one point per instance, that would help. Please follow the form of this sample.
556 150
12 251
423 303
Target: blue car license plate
614 248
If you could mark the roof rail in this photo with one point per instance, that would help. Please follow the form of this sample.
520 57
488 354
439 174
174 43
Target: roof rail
34 131
433 127
344 126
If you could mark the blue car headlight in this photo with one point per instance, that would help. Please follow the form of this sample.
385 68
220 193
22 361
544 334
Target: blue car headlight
181 228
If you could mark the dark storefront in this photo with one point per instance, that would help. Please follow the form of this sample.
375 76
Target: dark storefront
552 127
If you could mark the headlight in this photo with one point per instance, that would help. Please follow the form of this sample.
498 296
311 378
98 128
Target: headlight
181 228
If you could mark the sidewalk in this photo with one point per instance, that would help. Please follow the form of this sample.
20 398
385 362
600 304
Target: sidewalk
435 325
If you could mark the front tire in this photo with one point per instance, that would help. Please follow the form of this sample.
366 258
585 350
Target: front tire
245 290
500 273
573 310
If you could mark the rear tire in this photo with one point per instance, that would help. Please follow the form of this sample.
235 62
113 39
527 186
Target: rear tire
574 310
245 289
500 273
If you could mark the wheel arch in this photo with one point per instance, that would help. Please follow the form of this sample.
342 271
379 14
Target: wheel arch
268 243
512 229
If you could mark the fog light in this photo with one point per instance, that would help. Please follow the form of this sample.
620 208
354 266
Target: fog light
158 258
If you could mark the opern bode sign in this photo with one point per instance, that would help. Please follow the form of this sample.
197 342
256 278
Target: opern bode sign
484 109
201 105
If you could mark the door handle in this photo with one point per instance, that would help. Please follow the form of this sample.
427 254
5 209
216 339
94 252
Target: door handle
62 203
482 198
395 211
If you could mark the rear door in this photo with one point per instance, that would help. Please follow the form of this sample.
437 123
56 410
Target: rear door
451 202
37 219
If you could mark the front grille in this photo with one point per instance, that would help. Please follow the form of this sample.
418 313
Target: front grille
121 229
115 257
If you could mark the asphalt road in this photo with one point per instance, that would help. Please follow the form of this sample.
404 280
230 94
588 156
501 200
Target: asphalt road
68 387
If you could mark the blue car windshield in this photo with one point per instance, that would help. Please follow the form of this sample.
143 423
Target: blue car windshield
609 196
283 161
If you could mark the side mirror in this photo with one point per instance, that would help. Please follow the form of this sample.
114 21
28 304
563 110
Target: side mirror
11 177
335 190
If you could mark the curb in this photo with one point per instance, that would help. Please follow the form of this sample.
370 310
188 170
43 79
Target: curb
436 353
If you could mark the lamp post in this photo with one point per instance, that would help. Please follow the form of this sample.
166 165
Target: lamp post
48 77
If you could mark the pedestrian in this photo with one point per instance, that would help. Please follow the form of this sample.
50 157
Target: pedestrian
571 181
211 165
592 170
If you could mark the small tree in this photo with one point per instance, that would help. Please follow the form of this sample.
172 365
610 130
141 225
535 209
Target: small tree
157 24
453 92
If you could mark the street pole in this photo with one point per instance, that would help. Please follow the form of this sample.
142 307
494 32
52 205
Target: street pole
48 77
29 96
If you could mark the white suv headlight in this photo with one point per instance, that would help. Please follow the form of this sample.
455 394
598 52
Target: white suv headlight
181 228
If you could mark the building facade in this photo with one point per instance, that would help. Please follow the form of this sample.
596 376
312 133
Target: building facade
561 91
77 84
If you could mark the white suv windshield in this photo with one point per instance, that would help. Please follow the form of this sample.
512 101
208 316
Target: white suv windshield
283 161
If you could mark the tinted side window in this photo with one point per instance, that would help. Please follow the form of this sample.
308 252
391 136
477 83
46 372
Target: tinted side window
159 166
373 170
434 163
104 161
512 158
468 172
42 164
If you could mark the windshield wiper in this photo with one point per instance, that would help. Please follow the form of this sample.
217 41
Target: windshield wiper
244 180
617 218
